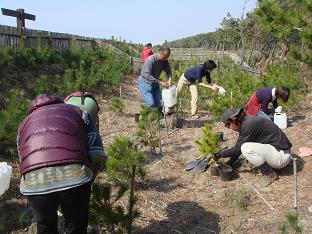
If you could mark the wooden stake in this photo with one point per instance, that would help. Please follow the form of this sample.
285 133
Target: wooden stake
260 196
131 198
295 185
231 99
159 137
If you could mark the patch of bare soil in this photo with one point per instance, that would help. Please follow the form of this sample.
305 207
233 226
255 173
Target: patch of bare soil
176 201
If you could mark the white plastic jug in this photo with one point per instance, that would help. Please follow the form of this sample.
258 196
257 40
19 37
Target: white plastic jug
5 177
169 96
280 119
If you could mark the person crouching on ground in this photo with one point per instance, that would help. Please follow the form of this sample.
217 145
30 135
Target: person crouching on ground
194 74
149 80
258 103
60 154
260 141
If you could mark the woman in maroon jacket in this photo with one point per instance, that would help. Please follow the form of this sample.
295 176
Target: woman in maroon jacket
258 104
60 154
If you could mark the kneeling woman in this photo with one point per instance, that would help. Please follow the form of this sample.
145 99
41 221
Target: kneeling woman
258 104
260 141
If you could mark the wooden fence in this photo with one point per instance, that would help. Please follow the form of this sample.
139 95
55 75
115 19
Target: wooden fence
31 38
9 36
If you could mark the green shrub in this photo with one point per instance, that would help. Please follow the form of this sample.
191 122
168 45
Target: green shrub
42 85
122 155
105 212
208 144
10 118
116 105
240 198
147 131
291 224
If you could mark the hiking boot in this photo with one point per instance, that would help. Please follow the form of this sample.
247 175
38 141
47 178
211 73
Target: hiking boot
268 177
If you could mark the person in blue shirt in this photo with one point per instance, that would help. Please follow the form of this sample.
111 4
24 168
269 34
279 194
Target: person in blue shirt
194 74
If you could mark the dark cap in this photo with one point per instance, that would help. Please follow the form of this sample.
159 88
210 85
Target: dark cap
231 113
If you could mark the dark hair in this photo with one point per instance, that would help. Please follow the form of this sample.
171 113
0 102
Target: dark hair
148 45
237 120
165 48
210 65
283 93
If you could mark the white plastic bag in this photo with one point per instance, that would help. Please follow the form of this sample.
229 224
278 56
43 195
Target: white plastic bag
5 177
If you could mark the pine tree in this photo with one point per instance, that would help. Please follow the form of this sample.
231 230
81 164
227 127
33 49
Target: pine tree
122 155
105 212
117 105
208 145
148 128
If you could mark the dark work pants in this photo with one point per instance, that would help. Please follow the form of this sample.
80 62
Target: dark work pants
74 204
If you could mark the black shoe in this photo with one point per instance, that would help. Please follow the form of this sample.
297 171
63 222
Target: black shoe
269 176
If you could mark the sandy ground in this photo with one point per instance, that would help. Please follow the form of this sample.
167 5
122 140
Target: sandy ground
176 201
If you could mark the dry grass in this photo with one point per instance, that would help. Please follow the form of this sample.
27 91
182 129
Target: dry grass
176 201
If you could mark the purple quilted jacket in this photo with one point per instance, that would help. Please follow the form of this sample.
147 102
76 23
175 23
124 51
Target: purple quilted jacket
52 134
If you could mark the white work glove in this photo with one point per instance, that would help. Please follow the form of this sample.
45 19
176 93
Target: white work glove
222 91
278 109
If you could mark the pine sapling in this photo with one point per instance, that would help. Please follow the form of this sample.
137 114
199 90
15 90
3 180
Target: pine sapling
208 145
122 155
148 128
116 105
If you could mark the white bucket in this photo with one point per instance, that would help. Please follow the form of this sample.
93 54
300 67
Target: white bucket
280 119
169 96
5 177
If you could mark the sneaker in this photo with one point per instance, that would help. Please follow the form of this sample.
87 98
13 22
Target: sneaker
195 116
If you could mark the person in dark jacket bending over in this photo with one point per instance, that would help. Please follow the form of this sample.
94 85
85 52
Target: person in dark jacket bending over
60 154
194 74
149 80
260 141
258 104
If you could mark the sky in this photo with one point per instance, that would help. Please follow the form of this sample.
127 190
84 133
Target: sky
131 20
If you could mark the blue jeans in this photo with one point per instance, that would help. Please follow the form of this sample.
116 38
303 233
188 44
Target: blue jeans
150 92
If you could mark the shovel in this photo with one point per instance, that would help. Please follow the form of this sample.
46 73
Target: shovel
191 165
200 164
197 165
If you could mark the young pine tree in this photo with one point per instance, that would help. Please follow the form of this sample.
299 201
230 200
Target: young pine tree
117 105
148 128
208 145
122 156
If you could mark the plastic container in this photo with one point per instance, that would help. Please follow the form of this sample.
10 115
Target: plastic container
5 177
169 96
280 119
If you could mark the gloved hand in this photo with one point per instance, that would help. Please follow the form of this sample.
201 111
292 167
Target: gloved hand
216 156
278 109
222 91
